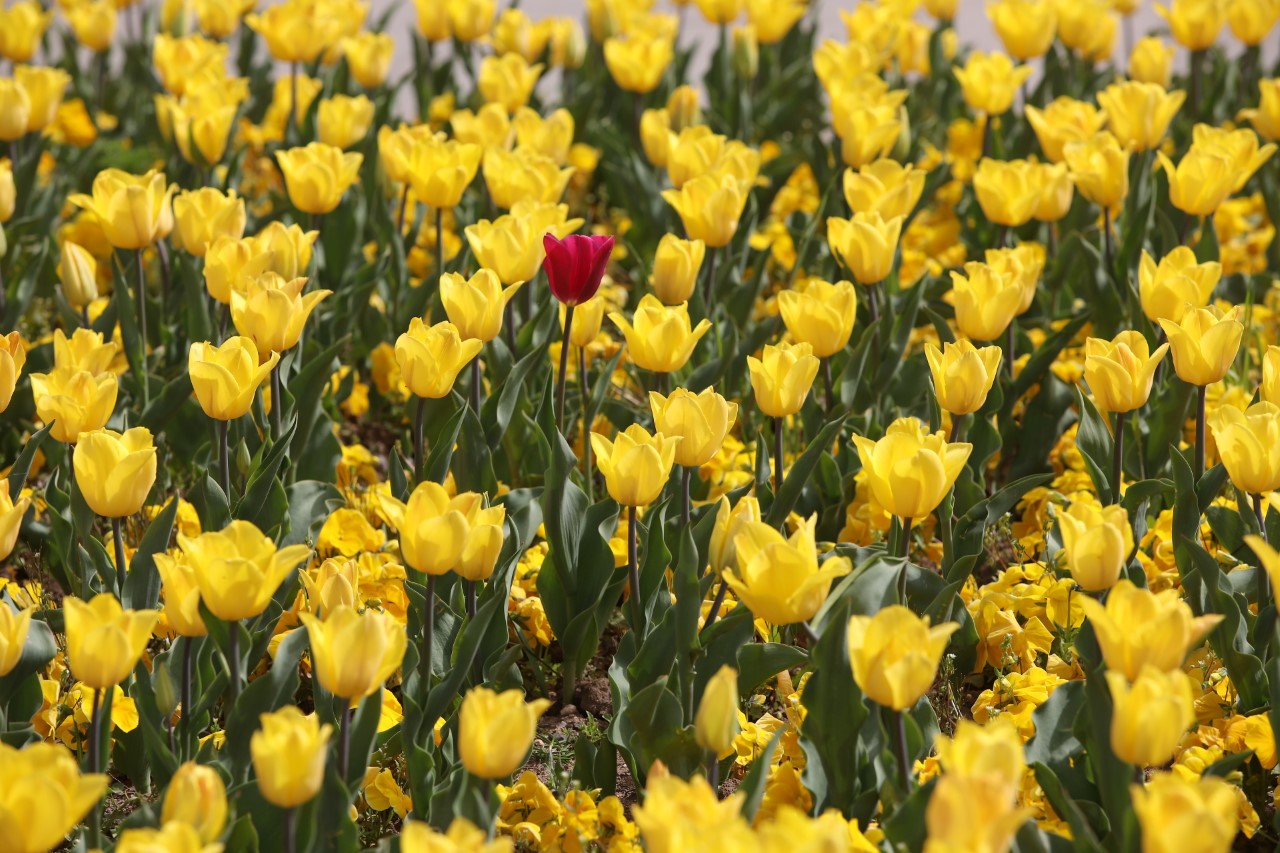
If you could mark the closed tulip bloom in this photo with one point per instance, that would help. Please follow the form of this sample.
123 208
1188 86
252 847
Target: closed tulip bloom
700 420
1251 20
433 528
729 523
660 338
1100 169
1138 628
780 579
104 641
22 27
74 401
1138 114
709 206
507 80
910 469
206 214
962 374
1195 24
78 275
1150 716
1026 27
821 315
288 756
782 376
1023 264
475 306
1120 371
1249 445
471 19
202 136
369 57
317 175
182 60
1201 181
1166 289
496 730
1056 192
638 62
433 20
524 173
130 207
1239 146
1088 27
636 465
716 723
551 136
773 19
271 311
868 131
992 752
342 121
352 653
675 268
13 357
1152 62
14 628
226 377
295 32
430 357
1064 120
231 264
197 797
44 86
1270 389
1265 118
440 170
181 596
395 148
1178 814
895 655
115 471
484 539
575 265
15 109
1009 192
1204 343
884 186
238 568
44 796
865 244
11 514
986 300
93 23
289 248
989 81
1097 541
8 189
221 18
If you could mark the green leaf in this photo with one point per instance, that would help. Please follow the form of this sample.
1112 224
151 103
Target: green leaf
758 662
267 692
142 586
800 472
18 473
1096 445
39 649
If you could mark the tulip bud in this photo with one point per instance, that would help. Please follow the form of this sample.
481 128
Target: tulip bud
1204 344
675 268
115 471
78 273
197 797
165 690
15 626
636 464
962 374
716 723
352 653
683 108
746 52
243 458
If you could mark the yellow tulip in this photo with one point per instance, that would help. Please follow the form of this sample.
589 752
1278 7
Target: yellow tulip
11 514
716 723
44 86
1239 146
507 80
221 18
1138 628
1178 814
587 318
104 641
433 20
821 315
865 244
197 797
44 793
637 62
476 306
484 538
181 596
773 19
636 464
1204 343
433 528
471 19
516 33
660 338
720 11
679 815
986 299
989 82
488 127
511 245
271 311
551 136
8 189
1120 371
1138 114
701 421
238 569
1100 169
317 175
709 206
369 57
206 214
1056 192
1265 119
884 186
675 268
84 350
1270 389
780 579
289 249
419 837
496 730
1024 265
567 45
1166 289
523 174
1195 24
991 752
970 813
1009 192
909 469
131 208
202 135
342 121
1252 20
695 151
1268 561
226 377
288 756
93 23
1026 27
962 374
1152 62
332 585
1248 444
181 60
231 264
1088 27
352 653
1150 716
1201 181
729 523
15 110
115 471
14 625
22 26
895 655
74 401
781 377
295 32
1097 542
13 357
430 357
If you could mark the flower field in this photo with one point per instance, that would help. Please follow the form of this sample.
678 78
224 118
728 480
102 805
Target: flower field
580 434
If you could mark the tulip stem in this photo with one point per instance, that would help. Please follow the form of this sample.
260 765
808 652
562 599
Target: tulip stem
142 326
633 570
686 508
1107 249
117 534
716 604
904 551
713 772
95 730
1261 578
874 307
290 830
777 456
475 386
419 461
233 662
1011 348
711 278
899 732
344 740
404 209
1197 68
564 367
428 635
829 382
1200 435
439 243
188 649
294 119
276 403
1117 456
585 385
469 587
224 457
1261 516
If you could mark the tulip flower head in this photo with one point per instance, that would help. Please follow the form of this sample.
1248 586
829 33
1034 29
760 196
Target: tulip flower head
353 653
675 268
910 469
197 797
1120 371
1139 114
635 464
1248 444
1177 813
430 357
15 626
13 357
105 641
1177 284
1204 343
45 795
238 568
271 311
115 471
226 377
1100 168
317 175
575 265
895 655
962 374
865 244
73 400
496 730
660 338
716 723
1097 541
782 376
701 421
821 315
289 755
986 298
181 596
1149 716
1138 628
476 306
131 208
780 579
